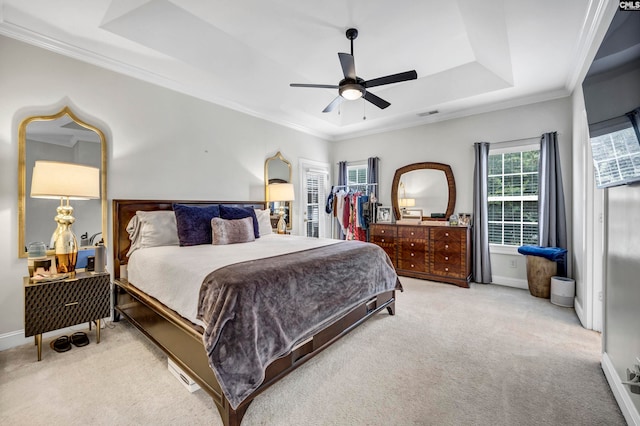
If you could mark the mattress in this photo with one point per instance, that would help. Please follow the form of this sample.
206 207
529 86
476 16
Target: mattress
173 275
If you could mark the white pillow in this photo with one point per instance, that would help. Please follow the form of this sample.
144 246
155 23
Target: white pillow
152 229
264 221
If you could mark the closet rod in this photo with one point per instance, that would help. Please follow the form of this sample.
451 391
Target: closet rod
355 184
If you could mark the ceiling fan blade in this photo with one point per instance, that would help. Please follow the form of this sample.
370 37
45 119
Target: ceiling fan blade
393 78
376 100
334 103
348 65
321 86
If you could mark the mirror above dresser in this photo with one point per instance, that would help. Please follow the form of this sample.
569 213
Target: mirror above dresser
428 187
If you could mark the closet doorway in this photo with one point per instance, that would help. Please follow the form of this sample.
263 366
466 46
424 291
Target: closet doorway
314 181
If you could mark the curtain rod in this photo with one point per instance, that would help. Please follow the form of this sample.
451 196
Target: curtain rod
521 139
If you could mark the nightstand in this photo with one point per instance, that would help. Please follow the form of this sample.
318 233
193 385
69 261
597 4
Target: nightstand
53 305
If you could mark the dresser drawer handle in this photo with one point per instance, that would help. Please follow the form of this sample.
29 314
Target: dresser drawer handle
411 244
446 269
412 254
446 246
446 234
382 231
71 304
446 258
382 240
412 233
412 265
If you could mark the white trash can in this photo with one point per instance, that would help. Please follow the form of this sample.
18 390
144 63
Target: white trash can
563 290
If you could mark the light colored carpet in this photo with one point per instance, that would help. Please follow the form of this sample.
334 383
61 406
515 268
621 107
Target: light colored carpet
488 355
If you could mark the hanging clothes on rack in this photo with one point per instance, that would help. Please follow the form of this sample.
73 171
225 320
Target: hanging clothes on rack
352 209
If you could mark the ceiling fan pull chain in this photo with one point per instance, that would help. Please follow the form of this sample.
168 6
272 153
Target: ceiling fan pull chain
364 109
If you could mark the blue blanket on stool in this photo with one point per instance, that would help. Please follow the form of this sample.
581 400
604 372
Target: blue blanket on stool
552 253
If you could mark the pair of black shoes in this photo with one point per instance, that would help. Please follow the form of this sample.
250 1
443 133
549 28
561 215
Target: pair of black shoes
63 343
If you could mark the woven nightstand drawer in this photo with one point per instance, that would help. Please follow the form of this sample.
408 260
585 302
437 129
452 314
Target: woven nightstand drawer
55 305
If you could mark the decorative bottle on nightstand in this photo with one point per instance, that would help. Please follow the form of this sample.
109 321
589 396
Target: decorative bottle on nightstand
65 243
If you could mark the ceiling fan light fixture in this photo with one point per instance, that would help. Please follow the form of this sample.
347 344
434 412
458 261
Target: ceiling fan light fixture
351 92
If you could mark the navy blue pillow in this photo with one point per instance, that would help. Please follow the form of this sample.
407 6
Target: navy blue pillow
194 223
231 213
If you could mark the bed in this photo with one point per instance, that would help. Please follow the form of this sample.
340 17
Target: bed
257 313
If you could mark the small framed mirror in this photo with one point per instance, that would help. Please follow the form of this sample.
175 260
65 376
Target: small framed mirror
429 187
60 137
277 169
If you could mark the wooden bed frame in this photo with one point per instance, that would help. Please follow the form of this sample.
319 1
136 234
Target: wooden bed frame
182 341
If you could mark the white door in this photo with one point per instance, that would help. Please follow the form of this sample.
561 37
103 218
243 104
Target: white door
315 180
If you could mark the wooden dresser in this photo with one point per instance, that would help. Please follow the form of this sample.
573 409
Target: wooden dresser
438 253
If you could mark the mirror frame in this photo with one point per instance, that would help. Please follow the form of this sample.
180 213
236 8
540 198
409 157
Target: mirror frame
22 176
451 183
280 157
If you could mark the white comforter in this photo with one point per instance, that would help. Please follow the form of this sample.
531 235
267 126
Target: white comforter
173 274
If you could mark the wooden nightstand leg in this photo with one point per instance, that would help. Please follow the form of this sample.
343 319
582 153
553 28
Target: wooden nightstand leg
97 331
39 344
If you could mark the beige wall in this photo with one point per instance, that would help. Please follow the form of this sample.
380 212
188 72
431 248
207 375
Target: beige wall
451 142
161 144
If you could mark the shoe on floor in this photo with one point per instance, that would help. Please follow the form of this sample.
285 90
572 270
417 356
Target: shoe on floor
80 338
61 344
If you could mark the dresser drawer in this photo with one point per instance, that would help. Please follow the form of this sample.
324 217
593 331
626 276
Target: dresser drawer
447 246
447 269
446 234
415 264
412 232
447 259
383 230
383 240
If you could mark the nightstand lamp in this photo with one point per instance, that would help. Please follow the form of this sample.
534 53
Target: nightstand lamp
68 181
281 192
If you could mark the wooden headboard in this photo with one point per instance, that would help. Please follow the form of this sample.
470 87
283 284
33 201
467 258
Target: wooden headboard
124 210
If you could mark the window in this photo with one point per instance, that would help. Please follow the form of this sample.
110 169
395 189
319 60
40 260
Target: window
356 176
616 152
513 196
315 188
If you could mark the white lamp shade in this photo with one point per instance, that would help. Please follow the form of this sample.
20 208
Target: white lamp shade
53 179
281 192
407 202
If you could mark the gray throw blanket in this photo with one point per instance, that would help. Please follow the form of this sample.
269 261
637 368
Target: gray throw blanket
257 311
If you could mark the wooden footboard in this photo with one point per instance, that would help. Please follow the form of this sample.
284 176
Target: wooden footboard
182 341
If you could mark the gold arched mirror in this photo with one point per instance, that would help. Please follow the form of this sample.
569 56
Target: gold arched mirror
429 187
61 137
277 170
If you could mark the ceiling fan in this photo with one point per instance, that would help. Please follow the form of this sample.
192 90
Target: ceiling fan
353 87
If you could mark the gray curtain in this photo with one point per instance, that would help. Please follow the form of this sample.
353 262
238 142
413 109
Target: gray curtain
481 255
552 221
342 173
372 174
342 180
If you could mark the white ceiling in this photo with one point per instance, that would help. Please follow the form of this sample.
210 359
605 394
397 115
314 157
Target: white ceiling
471 56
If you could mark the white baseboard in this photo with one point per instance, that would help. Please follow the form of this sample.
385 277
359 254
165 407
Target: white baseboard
629 410
16 338
577 306
510 282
